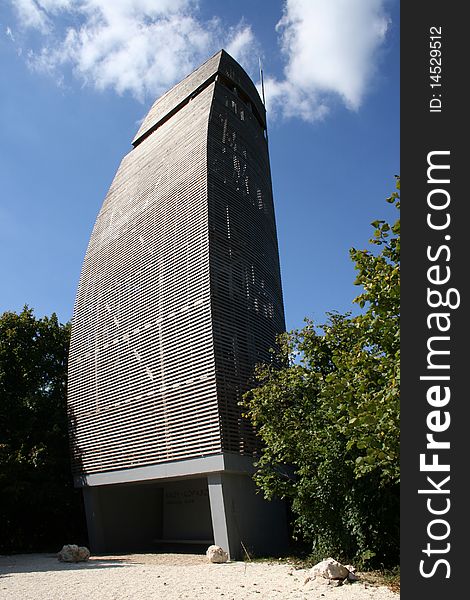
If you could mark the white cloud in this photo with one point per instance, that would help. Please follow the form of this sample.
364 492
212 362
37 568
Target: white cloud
144 46
242 45
9 33
30 15
136 46
330 48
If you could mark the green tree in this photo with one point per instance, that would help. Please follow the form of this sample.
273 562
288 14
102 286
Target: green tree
327 411
40 510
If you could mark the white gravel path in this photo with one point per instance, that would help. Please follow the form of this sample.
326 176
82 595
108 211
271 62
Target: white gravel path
166 577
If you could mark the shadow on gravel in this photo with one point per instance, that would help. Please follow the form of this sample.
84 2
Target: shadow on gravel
34 563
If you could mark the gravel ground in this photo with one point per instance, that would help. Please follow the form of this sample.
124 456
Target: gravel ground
166 577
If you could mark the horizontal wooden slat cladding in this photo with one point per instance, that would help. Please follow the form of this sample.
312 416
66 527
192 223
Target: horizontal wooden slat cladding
180 294
142 374
247 306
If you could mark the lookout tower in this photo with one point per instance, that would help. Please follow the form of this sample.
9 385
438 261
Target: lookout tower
179 298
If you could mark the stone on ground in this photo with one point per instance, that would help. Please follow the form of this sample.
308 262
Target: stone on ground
216 554
73 553
329 569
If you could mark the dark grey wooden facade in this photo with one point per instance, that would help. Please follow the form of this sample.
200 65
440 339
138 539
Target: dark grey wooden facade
180 293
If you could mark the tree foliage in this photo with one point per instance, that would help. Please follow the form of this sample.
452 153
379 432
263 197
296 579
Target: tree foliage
327 410
40 510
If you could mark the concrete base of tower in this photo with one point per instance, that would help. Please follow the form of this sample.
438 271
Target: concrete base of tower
243 522
185 507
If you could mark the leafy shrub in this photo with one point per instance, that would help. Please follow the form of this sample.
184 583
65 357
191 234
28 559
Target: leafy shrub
327 410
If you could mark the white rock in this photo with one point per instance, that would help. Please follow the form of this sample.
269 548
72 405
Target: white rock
73 553
329 569
216 554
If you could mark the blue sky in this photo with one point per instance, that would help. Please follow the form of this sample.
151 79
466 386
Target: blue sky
77 76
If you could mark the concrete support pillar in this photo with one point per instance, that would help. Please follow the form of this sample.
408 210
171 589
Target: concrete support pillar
242 520
218 514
